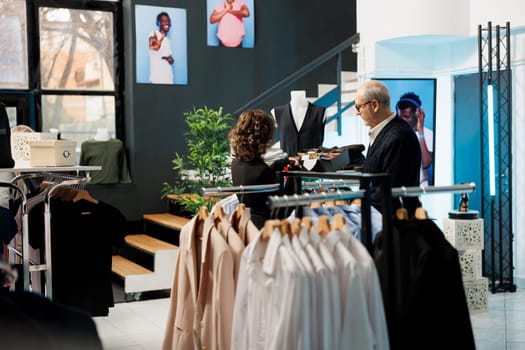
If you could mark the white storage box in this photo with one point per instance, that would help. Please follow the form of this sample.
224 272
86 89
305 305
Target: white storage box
52 153
20 145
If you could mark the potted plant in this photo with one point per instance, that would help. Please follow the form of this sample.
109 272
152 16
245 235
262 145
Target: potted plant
206 163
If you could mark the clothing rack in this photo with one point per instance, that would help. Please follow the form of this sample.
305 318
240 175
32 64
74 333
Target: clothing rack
65 180
25 232
365 183
47 228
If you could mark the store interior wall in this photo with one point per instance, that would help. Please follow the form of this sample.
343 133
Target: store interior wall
426 45
288 35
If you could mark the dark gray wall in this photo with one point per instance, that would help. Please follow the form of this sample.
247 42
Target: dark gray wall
288 35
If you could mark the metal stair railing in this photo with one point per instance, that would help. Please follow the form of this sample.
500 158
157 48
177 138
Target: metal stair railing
331 97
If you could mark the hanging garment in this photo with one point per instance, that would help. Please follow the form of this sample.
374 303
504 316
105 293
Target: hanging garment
111 155
370 281
202 297
356 330
8 226
269 297
430 311
83 234
234 242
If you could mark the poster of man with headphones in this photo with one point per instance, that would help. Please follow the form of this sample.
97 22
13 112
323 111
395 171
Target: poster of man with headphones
414 102
161 51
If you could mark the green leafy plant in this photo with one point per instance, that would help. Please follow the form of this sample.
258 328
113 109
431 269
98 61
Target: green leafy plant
206 164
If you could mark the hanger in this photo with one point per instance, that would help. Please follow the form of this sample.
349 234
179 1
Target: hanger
323 225
284 226
203 213
338 222
329 204
356 201
218 214
83 194
295 227
421 213
315 205
269 226
307 222
402 213
235 218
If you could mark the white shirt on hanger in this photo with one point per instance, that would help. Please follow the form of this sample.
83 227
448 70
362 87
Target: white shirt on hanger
330 335
284 283
356 331
368 273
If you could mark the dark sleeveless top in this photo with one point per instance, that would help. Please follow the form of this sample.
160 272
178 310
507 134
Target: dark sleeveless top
310 135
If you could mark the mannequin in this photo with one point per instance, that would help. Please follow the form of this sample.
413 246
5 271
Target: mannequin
110 154
298 105
102 134
300 124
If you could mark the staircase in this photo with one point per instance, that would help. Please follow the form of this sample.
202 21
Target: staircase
350 129
147 261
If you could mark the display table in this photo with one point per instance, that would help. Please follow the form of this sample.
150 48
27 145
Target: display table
466 235
52 169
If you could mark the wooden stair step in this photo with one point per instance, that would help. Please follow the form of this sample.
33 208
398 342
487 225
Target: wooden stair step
167 219
124 267
147 243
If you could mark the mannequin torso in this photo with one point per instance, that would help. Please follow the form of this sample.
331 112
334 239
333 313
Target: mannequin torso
298 106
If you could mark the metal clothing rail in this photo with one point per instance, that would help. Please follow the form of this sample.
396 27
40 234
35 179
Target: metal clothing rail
25 232
219 191
225 191
365 183
46 266
329 184
416 191
305 199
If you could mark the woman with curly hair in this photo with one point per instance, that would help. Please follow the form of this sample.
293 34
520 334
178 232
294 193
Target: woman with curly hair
250 138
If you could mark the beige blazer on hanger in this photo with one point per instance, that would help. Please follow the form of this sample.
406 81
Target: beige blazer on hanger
201 312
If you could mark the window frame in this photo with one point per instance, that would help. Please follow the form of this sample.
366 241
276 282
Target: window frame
33 21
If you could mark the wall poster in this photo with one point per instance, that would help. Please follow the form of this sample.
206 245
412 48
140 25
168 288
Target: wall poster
161 45
414 99
231 23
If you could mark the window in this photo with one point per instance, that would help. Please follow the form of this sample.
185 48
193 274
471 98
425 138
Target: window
77 70
13 45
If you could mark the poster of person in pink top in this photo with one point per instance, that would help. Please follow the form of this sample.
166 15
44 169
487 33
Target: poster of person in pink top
231 23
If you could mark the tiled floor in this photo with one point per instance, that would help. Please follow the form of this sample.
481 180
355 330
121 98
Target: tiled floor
140 324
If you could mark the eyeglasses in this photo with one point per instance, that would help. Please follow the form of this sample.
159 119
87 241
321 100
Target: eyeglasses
358 107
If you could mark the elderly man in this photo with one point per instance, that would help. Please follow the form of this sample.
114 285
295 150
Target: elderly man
394 147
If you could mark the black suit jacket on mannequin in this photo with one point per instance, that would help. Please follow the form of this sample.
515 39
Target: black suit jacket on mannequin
311 133
395 151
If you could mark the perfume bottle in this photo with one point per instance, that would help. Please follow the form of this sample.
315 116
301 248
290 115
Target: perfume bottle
463 203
